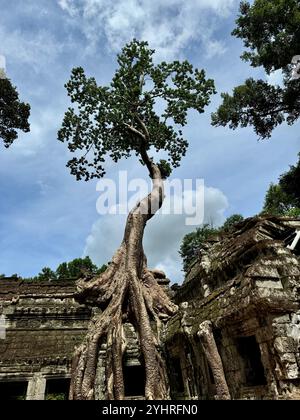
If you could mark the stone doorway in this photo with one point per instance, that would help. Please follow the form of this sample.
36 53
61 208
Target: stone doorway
249 351
134 380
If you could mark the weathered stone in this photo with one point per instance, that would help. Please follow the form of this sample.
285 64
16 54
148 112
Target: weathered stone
252 287
285 345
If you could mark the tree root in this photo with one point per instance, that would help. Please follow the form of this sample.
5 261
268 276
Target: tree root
122 294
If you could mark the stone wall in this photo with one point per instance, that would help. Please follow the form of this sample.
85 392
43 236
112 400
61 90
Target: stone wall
247 285
43 324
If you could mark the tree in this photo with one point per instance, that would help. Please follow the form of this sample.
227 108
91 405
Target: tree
79 267
231 221
62 271
193 242
118 121
14 114
277 202
290 183
46 275
283 199
76 268
270 29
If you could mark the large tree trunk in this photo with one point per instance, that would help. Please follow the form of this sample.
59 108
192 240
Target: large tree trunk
126 290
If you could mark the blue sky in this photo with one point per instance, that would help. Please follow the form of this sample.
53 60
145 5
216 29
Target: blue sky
46 215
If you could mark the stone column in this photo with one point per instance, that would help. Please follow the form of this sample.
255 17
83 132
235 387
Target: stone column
36 387
213 357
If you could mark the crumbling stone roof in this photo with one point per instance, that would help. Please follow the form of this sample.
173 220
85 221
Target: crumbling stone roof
11 288
248 269
255 247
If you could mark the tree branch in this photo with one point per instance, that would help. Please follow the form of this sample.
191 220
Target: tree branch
135 131
144 128
143 147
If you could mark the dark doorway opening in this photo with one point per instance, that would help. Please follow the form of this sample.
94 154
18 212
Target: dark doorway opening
177 379
253 367
57 389
134 380
13 391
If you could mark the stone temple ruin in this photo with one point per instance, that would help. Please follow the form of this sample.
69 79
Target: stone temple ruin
236 334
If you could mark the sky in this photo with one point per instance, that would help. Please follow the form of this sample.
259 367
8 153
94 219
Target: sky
47 217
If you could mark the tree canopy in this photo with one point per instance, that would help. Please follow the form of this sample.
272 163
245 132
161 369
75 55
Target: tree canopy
290 183
14 114
72 270
283 199
122 119
193 242
277 202
270 30
231 221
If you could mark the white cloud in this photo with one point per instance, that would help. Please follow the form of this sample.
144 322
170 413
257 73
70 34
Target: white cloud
68 6
162 237
37 50
169 26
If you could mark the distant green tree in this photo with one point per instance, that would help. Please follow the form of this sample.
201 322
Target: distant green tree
270 30
232 221
277 202
102 269
76 268
283 199
62 271
290 183
81 265
14 114
192 242
46 275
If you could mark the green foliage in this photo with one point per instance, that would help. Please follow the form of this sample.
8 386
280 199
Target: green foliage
46 275
294 212
119 120
290 183
75 268
62 271
14 114
192 243
277 202
270 29
283 199
56 397
102 269
72 270
231 222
